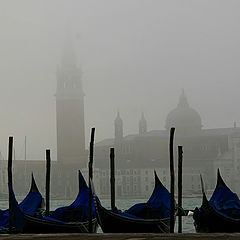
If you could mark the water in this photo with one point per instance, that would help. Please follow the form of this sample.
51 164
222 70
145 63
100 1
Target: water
189 204
123 204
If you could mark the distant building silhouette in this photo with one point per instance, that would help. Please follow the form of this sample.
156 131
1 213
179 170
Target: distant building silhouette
136 155
142 125
204 151
70 123
70 110
118 126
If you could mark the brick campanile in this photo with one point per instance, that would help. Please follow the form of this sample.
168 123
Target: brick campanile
70 110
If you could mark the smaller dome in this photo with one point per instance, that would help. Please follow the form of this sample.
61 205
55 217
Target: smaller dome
183 117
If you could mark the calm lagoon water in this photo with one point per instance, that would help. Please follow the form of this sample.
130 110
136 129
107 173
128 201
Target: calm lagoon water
188 203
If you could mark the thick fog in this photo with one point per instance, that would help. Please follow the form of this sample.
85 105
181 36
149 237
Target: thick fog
136 56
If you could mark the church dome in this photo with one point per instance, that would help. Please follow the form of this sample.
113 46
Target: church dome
184 118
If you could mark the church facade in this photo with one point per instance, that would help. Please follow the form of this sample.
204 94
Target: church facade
136 155
205 150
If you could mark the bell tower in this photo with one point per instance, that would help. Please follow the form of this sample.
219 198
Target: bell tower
118 125
70 110
142 125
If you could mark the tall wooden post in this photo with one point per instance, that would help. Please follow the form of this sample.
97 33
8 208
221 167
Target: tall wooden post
172 203
48 168
25 162
112 178
90 175
10 152
180 160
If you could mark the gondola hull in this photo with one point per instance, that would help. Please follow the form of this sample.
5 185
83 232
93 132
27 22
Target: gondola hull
37 225
209 220
29 223
111 222
220 213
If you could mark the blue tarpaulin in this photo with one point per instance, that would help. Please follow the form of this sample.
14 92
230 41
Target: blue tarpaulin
78 210
226 202
223 200
158 205
29 206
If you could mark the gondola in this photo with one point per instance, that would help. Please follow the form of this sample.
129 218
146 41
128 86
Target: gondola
70 219
30 204
221 213
150 217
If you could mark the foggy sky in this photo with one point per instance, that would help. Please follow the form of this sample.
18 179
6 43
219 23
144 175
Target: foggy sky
136 56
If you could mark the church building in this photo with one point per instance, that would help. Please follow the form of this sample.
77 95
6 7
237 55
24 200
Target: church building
136 155
204 151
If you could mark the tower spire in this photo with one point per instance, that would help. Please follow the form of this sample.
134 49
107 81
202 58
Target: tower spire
69 77
118 123
142 124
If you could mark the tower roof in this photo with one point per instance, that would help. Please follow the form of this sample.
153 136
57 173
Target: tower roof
69 77
142 124
118 119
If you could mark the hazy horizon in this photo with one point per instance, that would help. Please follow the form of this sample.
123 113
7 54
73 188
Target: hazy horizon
136 56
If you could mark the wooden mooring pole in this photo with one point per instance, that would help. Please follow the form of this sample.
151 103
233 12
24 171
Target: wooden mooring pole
172 201
90 178
48 168
180 160
112 178
10 152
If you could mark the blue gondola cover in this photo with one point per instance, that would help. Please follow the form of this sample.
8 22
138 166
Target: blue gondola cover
226 202
29 206
157 207
78 210
223 201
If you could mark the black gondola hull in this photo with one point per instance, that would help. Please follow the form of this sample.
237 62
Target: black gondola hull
209 220
111 222
37 225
